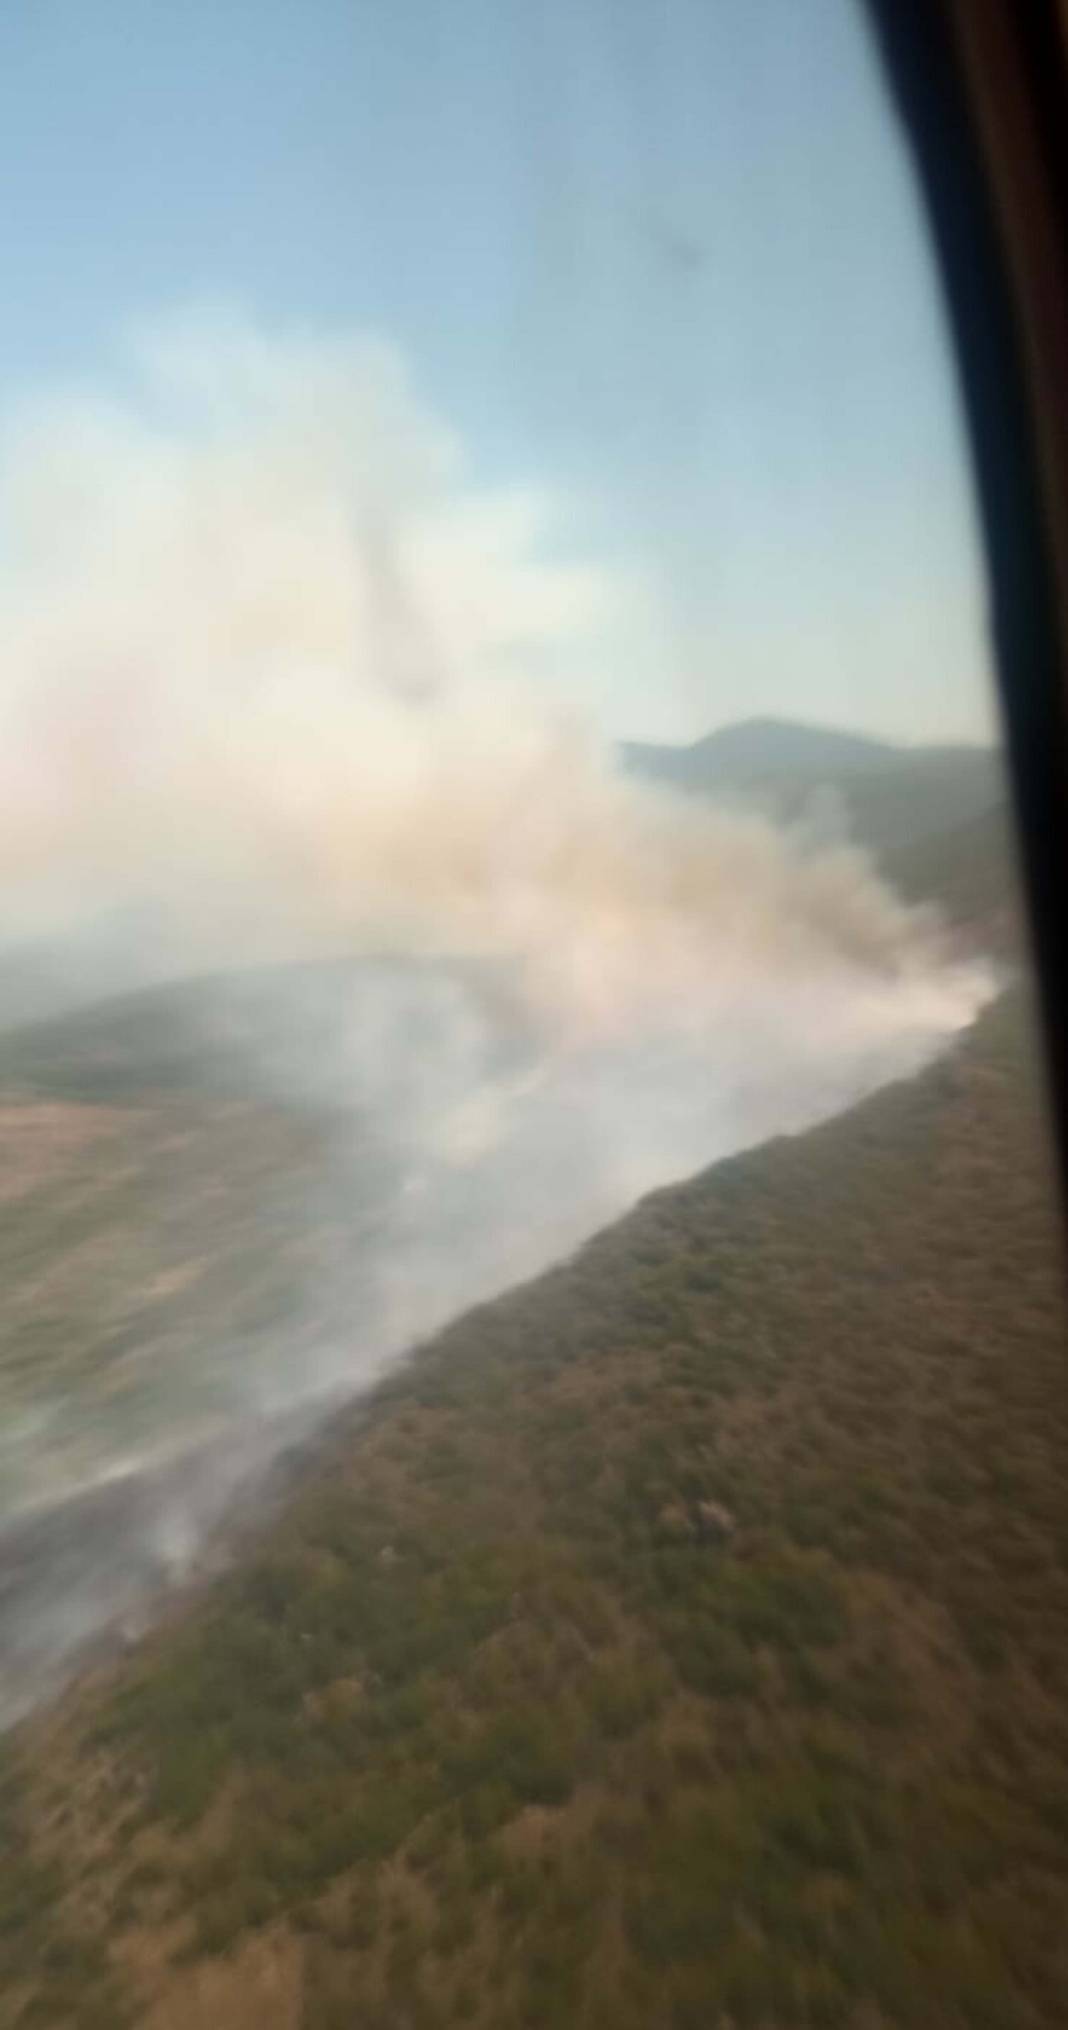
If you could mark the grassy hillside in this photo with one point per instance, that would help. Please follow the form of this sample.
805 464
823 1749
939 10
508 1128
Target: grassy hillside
679 1641
148 1221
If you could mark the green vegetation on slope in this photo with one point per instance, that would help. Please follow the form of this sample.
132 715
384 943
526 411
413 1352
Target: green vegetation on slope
679 1641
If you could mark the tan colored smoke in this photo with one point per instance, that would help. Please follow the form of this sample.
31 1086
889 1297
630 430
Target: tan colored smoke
271 668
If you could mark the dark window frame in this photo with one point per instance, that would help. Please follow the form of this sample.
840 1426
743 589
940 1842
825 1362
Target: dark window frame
982 88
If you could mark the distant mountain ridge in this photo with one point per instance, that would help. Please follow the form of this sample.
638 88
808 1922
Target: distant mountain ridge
892 798
764 746
937 820
751 749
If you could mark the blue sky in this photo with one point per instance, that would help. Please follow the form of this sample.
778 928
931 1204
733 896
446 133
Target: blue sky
666 260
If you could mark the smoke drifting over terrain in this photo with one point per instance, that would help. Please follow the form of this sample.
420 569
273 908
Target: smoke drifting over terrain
279 688
271 674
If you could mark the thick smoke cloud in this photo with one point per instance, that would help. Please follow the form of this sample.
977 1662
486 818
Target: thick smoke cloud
270 671
277 685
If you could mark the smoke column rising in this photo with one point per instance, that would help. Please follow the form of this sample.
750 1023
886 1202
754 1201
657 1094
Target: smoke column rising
275 681
269 665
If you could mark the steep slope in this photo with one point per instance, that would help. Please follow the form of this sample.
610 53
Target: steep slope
970 872
680 1640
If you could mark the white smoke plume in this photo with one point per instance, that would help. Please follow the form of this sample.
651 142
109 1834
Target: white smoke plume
277 684
268 666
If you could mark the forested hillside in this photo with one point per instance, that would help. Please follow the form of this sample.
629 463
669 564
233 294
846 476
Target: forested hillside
680 1640
970 872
